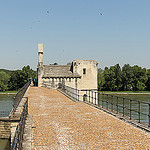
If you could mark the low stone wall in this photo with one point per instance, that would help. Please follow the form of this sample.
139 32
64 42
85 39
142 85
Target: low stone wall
8 125
15 118
5 130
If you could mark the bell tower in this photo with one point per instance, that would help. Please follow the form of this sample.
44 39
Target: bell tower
40 54
40 64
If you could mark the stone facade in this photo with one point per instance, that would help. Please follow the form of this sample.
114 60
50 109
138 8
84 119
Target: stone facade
81 75
5 128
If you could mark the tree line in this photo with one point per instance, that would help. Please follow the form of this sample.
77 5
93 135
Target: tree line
14 80
127 78
114 78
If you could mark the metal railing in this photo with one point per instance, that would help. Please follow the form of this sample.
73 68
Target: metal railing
90 96
74 93
19 96
17 142
134 109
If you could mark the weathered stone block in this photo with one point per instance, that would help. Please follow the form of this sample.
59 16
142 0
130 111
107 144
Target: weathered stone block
5 128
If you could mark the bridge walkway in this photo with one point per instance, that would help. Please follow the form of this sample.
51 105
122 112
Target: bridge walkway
62 124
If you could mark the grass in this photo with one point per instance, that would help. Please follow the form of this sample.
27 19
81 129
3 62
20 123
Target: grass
8 92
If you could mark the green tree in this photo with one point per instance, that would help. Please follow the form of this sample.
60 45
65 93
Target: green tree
127 77
118 76
69 63
101 79
140 75
54 63
25 74
14 82
140 86
20 77
148 80
109 75
4 78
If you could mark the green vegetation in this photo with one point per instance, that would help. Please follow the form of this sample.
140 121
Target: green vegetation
14 80
8 91
4 79
127 78
54 64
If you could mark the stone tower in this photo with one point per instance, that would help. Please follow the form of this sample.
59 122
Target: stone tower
87 69
40 54
80 75
40 64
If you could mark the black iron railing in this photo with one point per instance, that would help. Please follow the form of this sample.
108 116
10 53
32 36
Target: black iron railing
89 96
134 109
17 142
74 93
19 96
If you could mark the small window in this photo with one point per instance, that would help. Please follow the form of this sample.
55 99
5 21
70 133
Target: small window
84 70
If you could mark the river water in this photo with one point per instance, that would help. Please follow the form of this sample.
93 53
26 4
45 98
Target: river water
6 104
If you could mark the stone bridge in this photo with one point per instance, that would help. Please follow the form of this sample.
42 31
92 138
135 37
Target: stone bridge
55 122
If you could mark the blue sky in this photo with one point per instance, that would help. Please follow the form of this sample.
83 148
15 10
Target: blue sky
108 31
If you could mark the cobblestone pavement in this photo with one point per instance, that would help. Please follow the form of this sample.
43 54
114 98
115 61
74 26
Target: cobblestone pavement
61 124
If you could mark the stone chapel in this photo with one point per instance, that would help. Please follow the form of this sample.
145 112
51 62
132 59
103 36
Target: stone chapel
81 75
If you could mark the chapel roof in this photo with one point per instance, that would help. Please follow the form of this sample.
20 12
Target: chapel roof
57 71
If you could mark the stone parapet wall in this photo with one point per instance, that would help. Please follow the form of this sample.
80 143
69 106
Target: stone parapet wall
5 125
9 124
15 118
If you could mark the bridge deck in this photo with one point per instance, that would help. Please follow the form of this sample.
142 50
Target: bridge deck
63 124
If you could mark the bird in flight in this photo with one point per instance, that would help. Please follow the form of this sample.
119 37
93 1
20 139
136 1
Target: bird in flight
101 14
48 12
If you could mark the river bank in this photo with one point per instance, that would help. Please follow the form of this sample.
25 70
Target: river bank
8 93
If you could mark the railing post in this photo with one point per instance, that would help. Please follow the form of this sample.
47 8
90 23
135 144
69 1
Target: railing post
117 104
130 109
112 103
78 95
92 97
123 107
95 97
102 102
98 99
89 96
107 101
139 111
149 115
86 95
